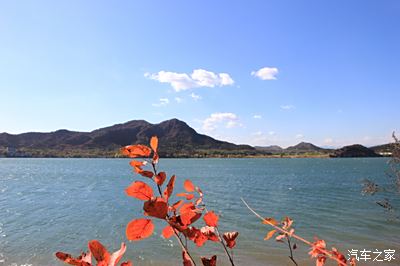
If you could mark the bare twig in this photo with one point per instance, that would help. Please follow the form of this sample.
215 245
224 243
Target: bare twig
291 251
223 244
293 235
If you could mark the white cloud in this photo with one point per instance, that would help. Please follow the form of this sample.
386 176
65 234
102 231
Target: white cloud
198 78
162 102
271 133
232 124
178 99
230 120
287 107
195 96
257 116
266 73
299 136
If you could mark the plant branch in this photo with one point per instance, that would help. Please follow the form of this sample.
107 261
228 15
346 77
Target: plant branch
155 173
291 251
223 244
293 235
221 241
184 248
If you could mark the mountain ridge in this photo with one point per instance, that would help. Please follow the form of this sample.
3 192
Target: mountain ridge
177 139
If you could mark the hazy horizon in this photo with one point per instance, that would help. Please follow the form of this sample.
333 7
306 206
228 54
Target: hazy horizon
271 144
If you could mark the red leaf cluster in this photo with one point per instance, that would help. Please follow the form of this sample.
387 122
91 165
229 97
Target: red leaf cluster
286 225
179 216
319 251
99 252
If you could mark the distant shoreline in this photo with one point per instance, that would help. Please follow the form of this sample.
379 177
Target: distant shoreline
325 156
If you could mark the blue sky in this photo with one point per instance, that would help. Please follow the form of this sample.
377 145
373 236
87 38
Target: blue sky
256 72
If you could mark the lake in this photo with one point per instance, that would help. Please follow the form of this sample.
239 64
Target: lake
49 205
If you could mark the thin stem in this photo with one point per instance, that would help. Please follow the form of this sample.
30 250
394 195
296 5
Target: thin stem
291 251
221 241
155 173
223 244
293 235
184 248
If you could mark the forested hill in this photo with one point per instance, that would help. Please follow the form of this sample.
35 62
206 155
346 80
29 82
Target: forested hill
177 139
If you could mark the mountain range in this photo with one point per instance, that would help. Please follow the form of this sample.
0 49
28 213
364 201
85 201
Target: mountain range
176 138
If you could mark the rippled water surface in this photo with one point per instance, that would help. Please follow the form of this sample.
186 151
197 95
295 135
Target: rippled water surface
47 205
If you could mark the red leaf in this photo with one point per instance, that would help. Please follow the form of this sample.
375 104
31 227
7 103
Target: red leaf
270 234
168 231
339 256
170 188
154 143
176 205
189 217
270 221
127 263
139 229
83 260
157 207
317 247
186 259
280 237
188 185
186 218
155 158
211 218
209 232
139 190
117 255
186 195
320 261
137 165
99 252
187 207
230 238
209 262
189 213
148 174
190 232
287 223
134 151
160 178
200 239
